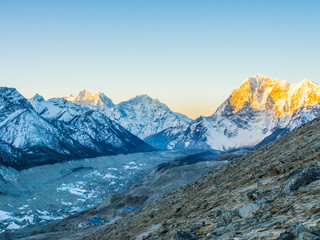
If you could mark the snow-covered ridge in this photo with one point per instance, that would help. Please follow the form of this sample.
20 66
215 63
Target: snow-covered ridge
264 93
259 108
57 130
141 115
96 101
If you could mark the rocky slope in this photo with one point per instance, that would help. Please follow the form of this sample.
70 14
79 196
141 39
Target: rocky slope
259 108
141 115
270 193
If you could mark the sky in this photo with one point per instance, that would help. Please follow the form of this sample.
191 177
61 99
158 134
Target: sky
188 54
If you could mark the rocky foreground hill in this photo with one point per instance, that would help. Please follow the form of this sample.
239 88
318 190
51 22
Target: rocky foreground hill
270 193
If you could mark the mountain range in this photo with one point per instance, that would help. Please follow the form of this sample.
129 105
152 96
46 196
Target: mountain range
270 193
39 131
142 115
259 111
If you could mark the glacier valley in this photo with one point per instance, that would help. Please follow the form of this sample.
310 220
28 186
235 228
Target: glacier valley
51 192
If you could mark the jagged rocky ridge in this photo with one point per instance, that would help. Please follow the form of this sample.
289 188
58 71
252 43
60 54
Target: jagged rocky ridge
261 109
56 134
270 193
141 115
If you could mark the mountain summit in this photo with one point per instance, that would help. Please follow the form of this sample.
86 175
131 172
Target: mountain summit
141 115
260 108
264 93
96 101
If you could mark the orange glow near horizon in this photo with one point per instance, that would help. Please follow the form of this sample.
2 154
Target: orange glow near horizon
194 111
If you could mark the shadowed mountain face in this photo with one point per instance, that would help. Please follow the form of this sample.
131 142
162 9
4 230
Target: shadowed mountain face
90 128
259 108
56 132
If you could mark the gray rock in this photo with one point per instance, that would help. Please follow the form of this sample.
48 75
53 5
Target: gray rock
308 236
218 213
227 217
219 231
297 229
248 210
226 236
302 179
286 236
181 235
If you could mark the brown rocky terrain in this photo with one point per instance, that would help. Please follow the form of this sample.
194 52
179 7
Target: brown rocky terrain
270 193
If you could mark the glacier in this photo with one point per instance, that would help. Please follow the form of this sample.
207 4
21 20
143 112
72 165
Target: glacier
51 192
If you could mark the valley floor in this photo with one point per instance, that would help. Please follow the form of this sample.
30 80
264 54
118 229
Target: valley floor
51 192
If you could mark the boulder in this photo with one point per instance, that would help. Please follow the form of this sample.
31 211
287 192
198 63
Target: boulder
248 210
302 179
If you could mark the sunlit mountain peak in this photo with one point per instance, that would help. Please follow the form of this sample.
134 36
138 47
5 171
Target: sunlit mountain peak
265 93
85 98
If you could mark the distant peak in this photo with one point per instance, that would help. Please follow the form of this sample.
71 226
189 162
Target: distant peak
306 81
100 94
37 98
10 92
85 98
258 76
8 89
11 95
85 93
143 96
261 78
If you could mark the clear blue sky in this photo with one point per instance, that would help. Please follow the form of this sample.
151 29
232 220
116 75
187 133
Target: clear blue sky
188 54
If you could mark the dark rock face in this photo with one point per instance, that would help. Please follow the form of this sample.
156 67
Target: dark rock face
308 236
286 236
181 235
302 179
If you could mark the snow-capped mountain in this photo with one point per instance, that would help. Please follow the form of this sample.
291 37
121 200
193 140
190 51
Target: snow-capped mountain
55 131
25 134
90 128
97 101
261 107
141 115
